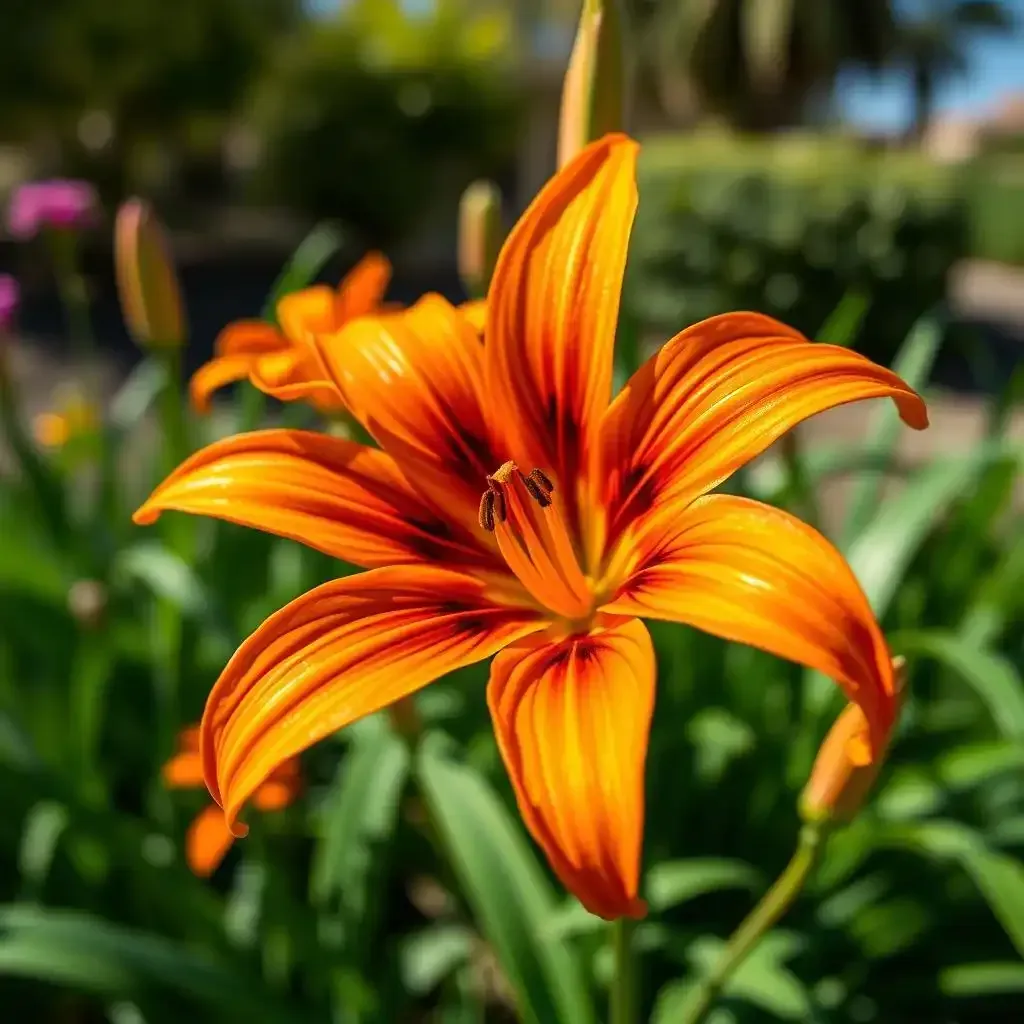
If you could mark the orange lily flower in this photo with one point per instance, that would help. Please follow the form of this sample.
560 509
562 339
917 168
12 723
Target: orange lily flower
284 362
209 837
594 512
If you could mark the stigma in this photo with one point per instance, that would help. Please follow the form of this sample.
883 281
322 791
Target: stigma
493 503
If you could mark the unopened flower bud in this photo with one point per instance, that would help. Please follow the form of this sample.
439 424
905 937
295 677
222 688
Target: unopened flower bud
146 280
840 782
595 90
480 236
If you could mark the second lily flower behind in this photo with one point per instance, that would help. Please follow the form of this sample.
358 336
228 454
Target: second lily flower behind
515 509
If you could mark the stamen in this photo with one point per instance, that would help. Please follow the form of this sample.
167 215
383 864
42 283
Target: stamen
533 537
492 507
492 502
539 487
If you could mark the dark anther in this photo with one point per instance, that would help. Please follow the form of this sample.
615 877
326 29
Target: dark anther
540 487
492 508
543 479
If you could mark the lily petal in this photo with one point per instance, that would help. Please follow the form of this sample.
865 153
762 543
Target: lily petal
214 375
755 575
308 312
296 373
414 379
338 653
337 496
363 287
207 841
237 348
572 721
249 337
184 770
552 310
716 396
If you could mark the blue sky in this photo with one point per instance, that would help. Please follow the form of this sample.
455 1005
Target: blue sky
997 68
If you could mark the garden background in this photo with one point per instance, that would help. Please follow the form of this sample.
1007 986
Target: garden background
279 143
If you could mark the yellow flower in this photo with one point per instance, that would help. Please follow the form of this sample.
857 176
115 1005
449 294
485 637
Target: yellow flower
72 417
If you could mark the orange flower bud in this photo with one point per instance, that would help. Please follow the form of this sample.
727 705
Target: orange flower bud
480 236
840 780
594 93
146 280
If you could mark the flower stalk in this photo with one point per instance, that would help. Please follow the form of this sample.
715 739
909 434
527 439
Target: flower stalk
623 1001
779 898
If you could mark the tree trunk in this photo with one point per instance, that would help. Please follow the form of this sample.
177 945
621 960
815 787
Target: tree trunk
924 101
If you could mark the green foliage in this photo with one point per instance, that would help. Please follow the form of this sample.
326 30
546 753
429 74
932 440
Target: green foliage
374 117
402 885
789 228
994 185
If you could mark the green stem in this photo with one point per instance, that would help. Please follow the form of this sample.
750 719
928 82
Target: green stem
622 1003
799 485
760 920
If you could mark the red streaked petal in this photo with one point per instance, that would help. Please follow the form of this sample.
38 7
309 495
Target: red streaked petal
414 379
716 396
552 310
572 721
339 497
755 575
336 654
207 841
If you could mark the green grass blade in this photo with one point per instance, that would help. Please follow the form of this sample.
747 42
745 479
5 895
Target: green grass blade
843 323
884 548
992 677
92 955
359 818
913 363
307 261
506 888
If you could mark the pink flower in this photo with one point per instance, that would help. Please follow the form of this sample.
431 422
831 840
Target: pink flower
10 297
51 204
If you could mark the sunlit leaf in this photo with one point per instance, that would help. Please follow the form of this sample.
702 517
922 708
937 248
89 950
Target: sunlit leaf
505 887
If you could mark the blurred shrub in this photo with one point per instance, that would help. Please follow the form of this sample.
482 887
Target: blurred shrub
788 228
106 80
369 118
995 196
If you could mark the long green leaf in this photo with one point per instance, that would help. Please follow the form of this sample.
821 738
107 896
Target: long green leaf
992 677
75 949
999 878
359 818
884 549
307 261
677 881
506 888
982 979
913 363
844 321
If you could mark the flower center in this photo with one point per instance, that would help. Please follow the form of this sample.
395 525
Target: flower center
526 516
